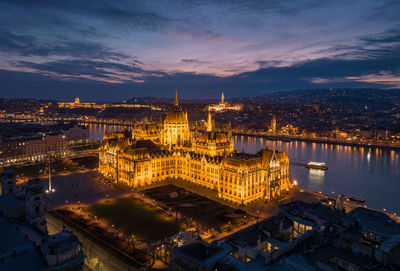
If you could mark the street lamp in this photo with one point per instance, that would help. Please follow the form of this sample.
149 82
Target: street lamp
50 189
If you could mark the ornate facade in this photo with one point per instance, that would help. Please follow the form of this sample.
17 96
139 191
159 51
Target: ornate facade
150 154
175 131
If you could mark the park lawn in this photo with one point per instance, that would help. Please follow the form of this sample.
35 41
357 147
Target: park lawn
34 171
89 162
91 146
134 217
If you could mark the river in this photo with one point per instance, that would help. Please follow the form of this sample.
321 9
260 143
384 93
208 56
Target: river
371 173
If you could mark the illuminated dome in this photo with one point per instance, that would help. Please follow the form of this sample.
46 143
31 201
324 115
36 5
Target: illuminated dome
176 114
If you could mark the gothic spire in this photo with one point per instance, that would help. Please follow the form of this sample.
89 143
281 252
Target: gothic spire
209 122
230 130
176 98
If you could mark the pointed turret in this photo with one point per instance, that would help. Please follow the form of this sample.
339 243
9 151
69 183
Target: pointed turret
196 131
230 130
209 122
176 103
222 98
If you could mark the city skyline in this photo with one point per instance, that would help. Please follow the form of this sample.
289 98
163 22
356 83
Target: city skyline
199 135
116 51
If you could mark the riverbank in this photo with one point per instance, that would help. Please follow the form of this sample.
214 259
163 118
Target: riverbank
322 141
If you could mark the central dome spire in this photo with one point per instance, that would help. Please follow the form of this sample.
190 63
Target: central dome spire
176 114
176 98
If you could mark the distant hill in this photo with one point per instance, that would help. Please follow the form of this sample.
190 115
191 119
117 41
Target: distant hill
155 100
21 104
372 99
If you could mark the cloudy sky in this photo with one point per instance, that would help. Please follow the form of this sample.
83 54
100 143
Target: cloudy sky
114 50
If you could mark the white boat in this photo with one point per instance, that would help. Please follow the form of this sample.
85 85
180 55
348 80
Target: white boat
316 165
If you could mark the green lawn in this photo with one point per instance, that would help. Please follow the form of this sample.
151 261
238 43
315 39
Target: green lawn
89 162
34 171
134 217
91 146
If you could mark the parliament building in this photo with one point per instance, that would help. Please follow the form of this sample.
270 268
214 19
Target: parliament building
153 152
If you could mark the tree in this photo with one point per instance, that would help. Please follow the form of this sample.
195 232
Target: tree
154 240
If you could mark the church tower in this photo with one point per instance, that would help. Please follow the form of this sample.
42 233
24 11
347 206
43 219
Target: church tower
222 98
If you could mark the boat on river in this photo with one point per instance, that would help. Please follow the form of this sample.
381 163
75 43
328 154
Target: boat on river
316 165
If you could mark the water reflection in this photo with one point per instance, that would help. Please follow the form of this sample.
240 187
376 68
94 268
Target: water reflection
316 176
368 172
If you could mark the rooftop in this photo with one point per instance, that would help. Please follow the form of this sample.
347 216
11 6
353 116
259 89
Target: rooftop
11 237
326 253
262 231
376 222
202 252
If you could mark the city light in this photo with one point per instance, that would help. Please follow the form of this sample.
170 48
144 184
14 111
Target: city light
285 126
